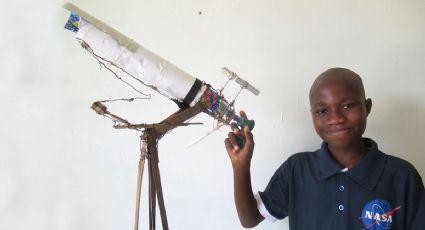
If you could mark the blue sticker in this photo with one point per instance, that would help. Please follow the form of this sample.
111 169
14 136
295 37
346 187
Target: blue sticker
378 215
72 23
215 101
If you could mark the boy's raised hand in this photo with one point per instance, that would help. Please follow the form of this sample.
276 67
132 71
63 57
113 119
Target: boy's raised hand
240 156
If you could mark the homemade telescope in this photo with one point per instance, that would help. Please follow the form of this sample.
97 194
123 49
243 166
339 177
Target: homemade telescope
192 95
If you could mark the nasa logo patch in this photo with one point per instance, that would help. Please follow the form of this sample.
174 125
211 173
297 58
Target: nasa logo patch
378 215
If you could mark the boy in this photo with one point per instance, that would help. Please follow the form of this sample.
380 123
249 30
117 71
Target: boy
346 184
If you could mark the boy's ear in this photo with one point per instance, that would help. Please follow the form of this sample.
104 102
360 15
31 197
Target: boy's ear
368 105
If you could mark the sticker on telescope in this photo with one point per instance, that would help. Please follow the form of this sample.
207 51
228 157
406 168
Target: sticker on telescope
72 23
215 101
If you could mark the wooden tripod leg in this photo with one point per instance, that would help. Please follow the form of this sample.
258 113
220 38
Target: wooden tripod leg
139 182
152 195
157 181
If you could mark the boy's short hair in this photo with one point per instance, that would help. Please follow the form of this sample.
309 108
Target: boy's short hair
343 74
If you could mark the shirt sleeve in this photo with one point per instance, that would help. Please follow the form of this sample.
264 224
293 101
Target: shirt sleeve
273 202
415 216
262 209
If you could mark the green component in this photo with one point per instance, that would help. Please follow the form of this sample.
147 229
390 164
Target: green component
242 122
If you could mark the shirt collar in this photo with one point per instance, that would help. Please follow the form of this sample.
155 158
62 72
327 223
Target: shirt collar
366 173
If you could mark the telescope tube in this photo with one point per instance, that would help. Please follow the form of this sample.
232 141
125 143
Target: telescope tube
124 53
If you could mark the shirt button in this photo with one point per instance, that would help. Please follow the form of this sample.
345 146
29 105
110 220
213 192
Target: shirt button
341 207
341 188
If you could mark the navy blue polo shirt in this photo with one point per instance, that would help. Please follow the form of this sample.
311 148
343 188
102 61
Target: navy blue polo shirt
380 192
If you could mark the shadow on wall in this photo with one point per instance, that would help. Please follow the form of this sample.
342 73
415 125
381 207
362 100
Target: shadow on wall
398 126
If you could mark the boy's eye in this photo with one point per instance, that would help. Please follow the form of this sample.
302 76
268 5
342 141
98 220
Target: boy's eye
321 112
348 105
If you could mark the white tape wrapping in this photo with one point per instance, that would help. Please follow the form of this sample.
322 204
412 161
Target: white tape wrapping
134 59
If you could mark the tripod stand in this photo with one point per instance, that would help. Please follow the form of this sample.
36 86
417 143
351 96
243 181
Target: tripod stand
149 150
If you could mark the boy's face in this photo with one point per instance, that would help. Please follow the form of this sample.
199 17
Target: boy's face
339 112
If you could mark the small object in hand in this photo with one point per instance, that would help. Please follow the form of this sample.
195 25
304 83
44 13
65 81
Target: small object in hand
242 122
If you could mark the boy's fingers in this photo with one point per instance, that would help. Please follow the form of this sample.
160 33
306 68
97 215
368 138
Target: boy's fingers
234 127
243 114
249 138
247 133
228 145
232 140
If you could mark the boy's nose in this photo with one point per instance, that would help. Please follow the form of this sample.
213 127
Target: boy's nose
335 117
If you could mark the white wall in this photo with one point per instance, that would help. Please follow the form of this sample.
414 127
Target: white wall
63 167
